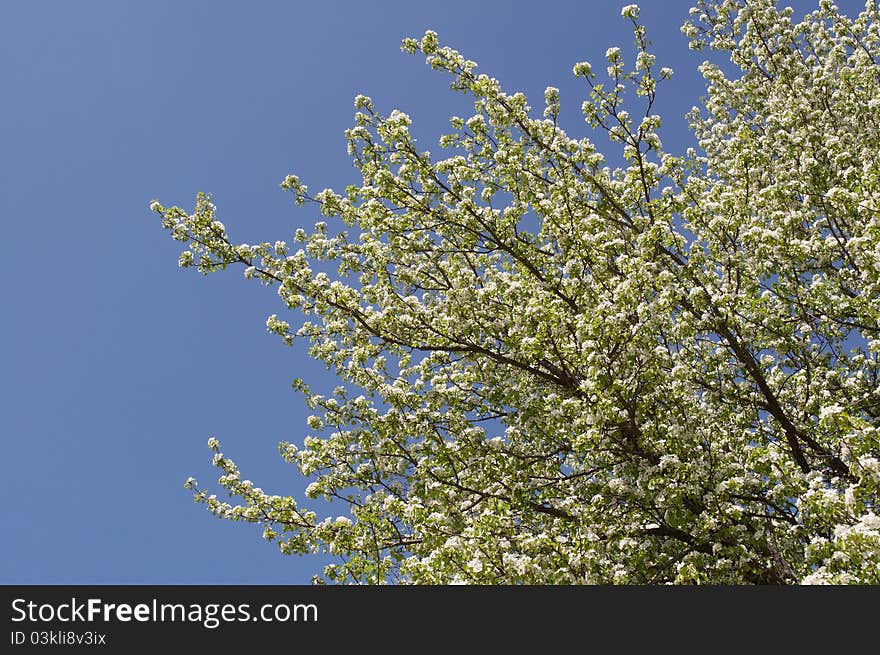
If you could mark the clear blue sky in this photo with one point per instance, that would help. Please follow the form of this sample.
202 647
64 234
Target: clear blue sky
115 365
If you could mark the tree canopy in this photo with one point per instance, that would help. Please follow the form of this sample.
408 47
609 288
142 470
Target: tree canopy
554 369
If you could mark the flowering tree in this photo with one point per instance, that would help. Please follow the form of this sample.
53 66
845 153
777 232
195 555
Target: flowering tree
557 371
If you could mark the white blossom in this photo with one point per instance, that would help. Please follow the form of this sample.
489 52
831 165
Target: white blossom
559 365
630 11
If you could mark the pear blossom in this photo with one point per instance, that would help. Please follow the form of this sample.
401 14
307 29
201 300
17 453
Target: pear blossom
630 11
556 370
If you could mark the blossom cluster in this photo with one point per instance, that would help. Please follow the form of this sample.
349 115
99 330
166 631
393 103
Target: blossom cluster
555 371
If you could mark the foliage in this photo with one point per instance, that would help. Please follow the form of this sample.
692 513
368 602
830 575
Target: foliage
558 371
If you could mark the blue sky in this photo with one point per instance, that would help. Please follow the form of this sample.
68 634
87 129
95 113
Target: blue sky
116 366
